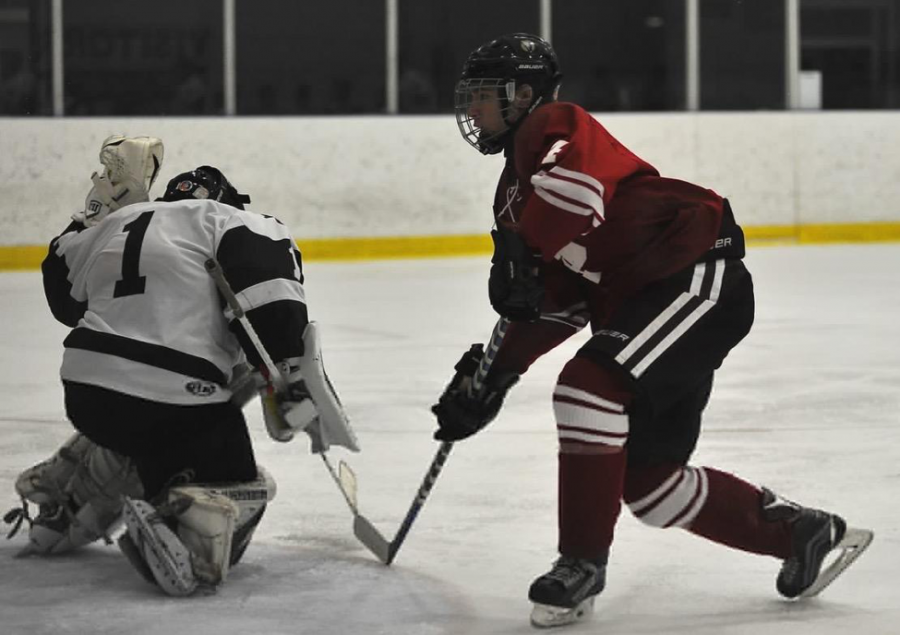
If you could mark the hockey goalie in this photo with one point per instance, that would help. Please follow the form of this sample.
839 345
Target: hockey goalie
155 372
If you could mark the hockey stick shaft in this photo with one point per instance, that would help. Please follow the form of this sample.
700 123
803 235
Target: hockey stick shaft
437 464
362 528
349 495
215 270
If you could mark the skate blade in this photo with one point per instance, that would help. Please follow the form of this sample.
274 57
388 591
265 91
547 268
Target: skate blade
547 616
851 547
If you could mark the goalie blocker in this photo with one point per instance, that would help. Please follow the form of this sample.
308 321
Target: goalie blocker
310 403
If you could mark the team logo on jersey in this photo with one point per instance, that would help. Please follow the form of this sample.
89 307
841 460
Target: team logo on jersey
201 388
512 196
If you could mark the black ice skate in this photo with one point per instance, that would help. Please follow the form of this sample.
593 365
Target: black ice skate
566 593
814 535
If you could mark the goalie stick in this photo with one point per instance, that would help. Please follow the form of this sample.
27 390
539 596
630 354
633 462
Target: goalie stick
344 478
437 464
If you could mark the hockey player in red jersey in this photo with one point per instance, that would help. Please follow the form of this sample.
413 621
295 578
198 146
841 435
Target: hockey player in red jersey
589 233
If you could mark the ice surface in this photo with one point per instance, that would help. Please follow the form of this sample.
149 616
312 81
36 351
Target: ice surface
807 405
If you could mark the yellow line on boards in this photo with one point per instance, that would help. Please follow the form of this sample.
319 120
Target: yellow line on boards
26 257
19 257
395 247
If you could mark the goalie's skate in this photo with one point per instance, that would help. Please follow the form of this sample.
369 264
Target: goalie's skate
566 593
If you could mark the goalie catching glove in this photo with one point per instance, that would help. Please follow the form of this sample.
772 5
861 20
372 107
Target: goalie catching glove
461 414
130 166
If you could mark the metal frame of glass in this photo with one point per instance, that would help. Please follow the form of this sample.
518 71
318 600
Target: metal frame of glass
692 54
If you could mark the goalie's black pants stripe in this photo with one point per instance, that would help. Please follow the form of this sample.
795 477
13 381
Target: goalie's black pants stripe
164 440
145 353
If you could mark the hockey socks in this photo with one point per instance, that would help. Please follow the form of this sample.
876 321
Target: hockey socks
715 505
590 489
589 403
733 516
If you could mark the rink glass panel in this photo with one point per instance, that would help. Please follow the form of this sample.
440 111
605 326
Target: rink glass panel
436 37
25 67
310 57
856 48
742 55
141 58
626 56
127 58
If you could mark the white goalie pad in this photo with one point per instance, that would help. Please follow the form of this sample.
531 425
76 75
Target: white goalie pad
250 497
206 527
45 482
159 550
79 491
195 537
332 426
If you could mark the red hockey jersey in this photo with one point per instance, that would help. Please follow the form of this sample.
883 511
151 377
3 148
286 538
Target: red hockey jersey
604 221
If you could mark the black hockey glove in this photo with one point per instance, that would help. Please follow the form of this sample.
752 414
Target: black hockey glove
459 415
516 288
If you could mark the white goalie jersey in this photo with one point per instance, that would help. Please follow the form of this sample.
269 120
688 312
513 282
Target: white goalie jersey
148 318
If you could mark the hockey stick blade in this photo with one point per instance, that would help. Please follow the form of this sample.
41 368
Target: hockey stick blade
369 536
437 464
851 547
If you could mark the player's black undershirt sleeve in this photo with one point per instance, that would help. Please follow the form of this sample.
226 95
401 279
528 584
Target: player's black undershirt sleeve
57 287
250 259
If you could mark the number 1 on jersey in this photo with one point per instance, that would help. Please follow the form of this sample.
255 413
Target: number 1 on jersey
132 283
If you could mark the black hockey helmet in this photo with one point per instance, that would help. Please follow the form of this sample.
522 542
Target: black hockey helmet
205 182
505 64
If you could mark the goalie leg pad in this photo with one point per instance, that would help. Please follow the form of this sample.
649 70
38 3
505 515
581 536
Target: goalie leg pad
44 483
183 544
251 499
206 528
156 549
213 527
79 491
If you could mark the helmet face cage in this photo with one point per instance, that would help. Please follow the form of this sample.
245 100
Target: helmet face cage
504 63
470 92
